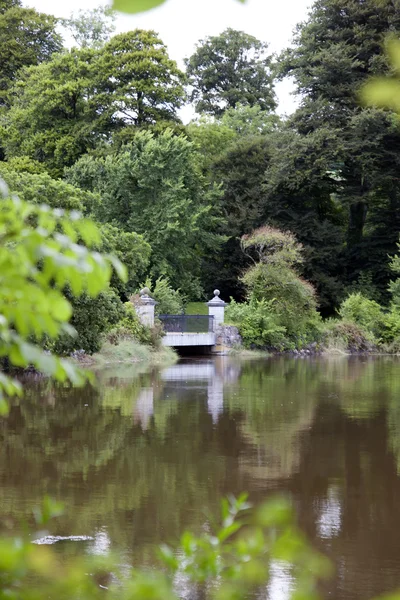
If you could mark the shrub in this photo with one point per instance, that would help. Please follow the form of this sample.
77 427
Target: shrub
363 312
130 327
347 336
257 324
91 318
293 299
391 329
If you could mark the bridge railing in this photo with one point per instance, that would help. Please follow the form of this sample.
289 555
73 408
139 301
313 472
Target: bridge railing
187 323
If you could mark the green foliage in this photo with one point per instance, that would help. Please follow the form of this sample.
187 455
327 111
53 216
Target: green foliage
211 138
27 37
169 301
273 246
39 256
347 336
229 69
385 91
140 80
40 188
237 555
132 250
129 326
75 101
136 6
91 318
249 120
240 170
275 280
394 286
258 324
364 312
154 187
336 50
54 117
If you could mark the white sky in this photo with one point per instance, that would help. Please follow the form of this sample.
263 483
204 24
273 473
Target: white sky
181 23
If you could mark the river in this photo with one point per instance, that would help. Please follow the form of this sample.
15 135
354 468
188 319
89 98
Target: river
144 455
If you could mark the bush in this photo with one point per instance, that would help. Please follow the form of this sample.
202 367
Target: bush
293 299
363 312
130 327
257 324
346 336
91 318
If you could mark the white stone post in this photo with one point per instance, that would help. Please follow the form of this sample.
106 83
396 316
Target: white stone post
216 309
145 308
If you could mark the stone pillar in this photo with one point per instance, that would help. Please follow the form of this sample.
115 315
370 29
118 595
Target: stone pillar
145 308
216 309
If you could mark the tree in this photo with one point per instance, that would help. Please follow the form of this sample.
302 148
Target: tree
91 318
335 52
300 193
26 38
240 171
132 250
40 188
55 117
154 188
247 120
138 79
228 69
91 28
65 107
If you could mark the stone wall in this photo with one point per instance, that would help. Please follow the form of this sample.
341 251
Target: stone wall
227 337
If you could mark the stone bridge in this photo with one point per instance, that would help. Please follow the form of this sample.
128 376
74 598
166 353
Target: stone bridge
186 330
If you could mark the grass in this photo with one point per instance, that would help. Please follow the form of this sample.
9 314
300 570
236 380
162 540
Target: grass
129 351
196 308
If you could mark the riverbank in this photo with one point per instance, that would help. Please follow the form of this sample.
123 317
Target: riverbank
125 352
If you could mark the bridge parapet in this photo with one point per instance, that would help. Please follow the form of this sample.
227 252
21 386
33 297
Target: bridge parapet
187 323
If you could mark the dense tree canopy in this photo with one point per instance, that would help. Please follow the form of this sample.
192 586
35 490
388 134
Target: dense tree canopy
72 103
155 188
97 127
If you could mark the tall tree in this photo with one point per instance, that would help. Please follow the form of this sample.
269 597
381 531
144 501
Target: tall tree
335 51
69 105
228 69
139 79
55 117
27 37
240 171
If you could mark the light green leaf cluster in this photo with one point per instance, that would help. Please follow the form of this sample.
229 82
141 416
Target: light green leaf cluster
233 559
385 91
41 252
136 6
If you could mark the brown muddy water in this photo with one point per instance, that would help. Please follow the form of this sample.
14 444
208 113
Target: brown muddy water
144 456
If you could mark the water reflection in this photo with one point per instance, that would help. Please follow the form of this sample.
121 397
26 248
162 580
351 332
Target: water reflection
145 455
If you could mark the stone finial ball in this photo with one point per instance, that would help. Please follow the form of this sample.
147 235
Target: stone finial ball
145 291
216 292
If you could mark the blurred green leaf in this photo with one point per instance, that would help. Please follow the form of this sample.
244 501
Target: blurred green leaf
136 6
